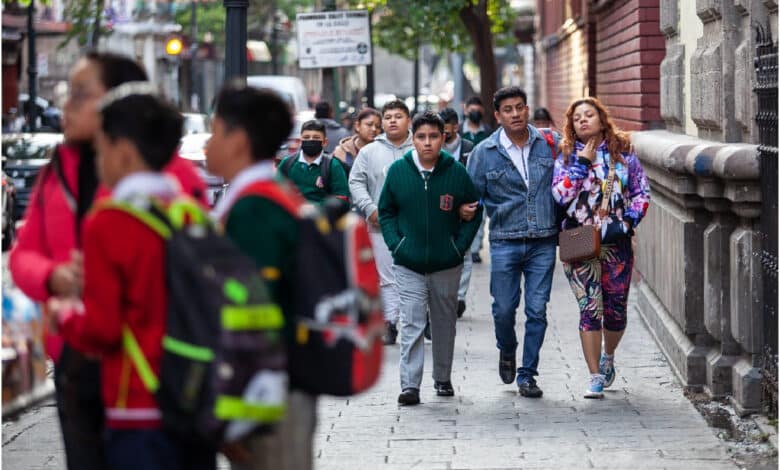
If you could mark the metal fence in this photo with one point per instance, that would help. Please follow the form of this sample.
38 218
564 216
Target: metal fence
766 120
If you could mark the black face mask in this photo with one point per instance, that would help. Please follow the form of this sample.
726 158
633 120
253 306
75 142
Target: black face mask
312 148
475 117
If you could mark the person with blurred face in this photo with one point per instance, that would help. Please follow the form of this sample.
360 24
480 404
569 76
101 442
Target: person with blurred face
366 180
474 129
512 171
542 119
422 228
367 126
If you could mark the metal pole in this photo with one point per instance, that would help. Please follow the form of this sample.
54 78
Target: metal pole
194 102
32 68
416 81
274 46
370 91
235 45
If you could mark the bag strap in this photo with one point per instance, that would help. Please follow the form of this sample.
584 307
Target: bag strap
281 194
325 171
548 136
603 210
287 165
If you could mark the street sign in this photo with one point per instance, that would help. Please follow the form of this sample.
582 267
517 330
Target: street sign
333 39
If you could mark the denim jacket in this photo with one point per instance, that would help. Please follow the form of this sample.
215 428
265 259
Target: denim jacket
514 210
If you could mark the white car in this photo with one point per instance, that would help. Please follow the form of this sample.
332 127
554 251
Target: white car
192 147
195 123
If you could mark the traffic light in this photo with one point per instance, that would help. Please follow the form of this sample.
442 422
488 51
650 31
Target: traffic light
174 46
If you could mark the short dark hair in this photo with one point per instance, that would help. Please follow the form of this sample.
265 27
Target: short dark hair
474 100
261 113
313 125
506 93
395 104
449 116
151 124
541 114
427 118
367 112
116 69
322 110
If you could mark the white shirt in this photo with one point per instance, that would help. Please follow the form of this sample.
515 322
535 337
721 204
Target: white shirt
260 171
416 158
136 188
519 155
317 161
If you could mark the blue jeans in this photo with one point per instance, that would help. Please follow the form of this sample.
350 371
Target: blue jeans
511 260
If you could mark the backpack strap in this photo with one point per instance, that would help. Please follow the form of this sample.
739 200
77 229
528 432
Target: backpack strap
287 165
325 171
548 136
281 194
154 218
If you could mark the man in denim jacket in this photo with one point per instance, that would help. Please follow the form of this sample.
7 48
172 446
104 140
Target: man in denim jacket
512 171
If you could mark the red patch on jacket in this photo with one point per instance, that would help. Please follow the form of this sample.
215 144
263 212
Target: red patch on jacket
446 202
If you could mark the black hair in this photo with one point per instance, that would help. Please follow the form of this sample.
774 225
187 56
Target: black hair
151 124
367 112
506 93
322 110
449 116
428 118
261 113
117 69
313 125
474 100
395 104
541 114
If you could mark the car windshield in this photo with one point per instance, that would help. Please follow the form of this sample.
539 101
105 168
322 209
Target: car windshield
29 146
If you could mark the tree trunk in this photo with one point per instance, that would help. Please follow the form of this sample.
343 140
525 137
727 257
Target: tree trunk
95 35
477 23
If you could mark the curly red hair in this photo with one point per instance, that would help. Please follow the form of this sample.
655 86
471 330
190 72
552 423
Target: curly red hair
618 141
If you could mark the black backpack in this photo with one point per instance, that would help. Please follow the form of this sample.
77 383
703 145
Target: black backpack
223 368
324 169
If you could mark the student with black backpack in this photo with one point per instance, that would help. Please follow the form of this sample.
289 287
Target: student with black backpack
315 172
125 300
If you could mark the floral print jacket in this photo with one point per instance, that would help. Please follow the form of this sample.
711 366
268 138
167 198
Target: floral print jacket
579 190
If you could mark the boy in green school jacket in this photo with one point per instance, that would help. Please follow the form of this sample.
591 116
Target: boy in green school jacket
248 128
305 167
418 213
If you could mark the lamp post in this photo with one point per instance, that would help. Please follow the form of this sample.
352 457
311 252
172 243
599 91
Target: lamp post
235 41
32 69
194 104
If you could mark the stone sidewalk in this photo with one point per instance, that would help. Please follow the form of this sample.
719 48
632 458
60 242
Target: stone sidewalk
643 422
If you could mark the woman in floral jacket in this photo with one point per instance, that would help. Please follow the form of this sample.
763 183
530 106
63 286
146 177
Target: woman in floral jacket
590 146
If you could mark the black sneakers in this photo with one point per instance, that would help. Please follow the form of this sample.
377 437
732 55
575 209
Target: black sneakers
409 396
476 258
427 332
461 307
529 389
507 368
444 389
391 333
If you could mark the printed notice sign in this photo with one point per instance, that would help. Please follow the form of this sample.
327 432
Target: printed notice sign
333 39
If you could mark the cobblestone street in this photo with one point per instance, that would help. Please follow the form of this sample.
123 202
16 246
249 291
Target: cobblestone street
643 422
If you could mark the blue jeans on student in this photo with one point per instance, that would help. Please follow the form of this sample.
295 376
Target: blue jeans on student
510 262
155 449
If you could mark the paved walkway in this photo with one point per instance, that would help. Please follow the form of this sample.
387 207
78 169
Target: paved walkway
644 421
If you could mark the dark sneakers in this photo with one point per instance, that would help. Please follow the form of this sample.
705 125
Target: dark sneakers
409 396
476 258
444 389
391 333
461 307
427 332
529 389
507 368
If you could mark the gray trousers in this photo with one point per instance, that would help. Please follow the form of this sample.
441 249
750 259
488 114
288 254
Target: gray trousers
420 293
290 445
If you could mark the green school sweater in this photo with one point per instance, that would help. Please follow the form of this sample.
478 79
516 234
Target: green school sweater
420 221
268 234
306 176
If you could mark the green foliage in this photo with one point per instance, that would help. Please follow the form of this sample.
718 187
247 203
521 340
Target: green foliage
210 18
400 25
84 17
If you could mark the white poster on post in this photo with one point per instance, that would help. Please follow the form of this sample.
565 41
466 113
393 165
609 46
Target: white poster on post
333 39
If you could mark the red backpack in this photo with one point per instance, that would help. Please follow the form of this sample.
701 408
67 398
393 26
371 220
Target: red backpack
337 345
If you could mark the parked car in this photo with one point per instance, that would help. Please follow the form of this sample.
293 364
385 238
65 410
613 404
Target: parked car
291 89
195 123
8 202
24 155
192 147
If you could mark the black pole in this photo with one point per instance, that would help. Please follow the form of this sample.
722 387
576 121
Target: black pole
416 78
370 69
193 54
274 46
235 46
32 70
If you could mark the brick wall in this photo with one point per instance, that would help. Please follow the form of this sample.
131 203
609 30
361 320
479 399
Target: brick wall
613 53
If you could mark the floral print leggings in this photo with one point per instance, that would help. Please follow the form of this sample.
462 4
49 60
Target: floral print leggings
601 287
